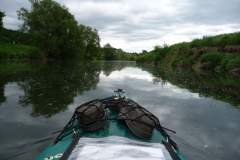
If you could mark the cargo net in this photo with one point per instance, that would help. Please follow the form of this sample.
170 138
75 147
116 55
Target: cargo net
92 116
139 120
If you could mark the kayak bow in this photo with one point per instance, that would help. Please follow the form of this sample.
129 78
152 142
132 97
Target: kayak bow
115 127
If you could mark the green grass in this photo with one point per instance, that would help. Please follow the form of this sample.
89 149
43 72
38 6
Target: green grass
17 51
13 51
216 41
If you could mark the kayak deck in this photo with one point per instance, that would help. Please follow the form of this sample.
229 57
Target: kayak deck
111 128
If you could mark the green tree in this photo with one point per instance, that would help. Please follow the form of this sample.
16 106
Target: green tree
2 14
91 40
52 28
109 52
144 52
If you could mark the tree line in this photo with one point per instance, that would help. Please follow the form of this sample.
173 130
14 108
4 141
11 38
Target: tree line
54 31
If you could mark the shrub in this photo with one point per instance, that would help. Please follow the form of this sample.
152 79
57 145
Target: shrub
212 57
190 53
223 64
195 43
173 62
209 41
140 59
233 63
190 61
35 53
12 55
3 55
132 59
183 63
183 46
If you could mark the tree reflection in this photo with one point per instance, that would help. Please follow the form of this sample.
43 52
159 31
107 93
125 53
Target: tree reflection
49 87
109 66
53 88
220 86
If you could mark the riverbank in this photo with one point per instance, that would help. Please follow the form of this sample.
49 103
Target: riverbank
18 51
218 53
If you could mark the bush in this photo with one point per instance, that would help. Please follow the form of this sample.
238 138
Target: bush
140 59
3 55
12 55
132 59
196 43
223 64
35 53
183 47
209 41
190 61
233 63
153 57
212 57
173 62
183 63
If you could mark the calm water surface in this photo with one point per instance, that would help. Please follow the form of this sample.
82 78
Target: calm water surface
38 98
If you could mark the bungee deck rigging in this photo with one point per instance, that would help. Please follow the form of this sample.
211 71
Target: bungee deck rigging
94 119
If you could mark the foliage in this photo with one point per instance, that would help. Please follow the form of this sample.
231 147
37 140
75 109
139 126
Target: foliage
52 29
216 41
35 53
140 59
91 41
109 52
144 51
173 62
233 63
161 51
212 58
182 47
223 64
14 36
2 14
13 51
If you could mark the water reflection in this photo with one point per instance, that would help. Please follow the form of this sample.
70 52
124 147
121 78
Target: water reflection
38 98
224 87
49 87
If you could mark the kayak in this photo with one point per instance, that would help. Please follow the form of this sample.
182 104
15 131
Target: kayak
115 127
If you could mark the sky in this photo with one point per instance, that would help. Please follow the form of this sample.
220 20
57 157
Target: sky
136 25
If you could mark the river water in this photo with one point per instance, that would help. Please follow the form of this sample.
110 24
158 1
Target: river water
38 98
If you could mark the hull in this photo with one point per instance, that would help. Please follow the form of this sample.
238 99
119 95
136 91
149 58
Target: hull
113 126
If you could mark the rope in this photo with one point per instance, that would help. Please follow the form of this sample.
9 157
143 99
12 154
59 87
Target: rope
111 103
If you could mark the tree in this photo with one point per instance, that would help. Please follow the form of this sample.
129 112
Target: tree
107 45
91 40
109 52
52 28
2 14
144 52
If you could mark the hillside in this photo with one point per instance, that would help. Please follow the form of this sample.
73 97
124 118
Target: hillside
219 53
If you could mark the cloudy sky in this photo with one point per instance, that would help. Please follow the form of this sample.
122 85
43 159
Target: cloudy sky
136 25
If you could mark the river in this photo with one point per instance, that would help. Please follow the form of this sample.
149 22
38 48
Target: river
38 98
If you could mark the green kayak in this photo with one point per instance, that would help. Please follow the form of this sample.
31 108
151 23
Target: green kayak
115 127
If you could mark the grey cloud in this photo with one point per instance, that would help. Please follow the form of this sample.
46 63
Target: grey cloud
141 21
214 12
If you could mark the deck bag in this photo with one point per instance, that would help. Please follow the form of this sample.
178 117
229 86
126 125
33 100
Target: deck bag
91 116
142 122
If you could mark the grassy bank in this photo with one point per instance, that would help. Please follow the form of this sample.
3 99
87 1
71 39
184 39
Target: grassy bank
221 52
17 51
